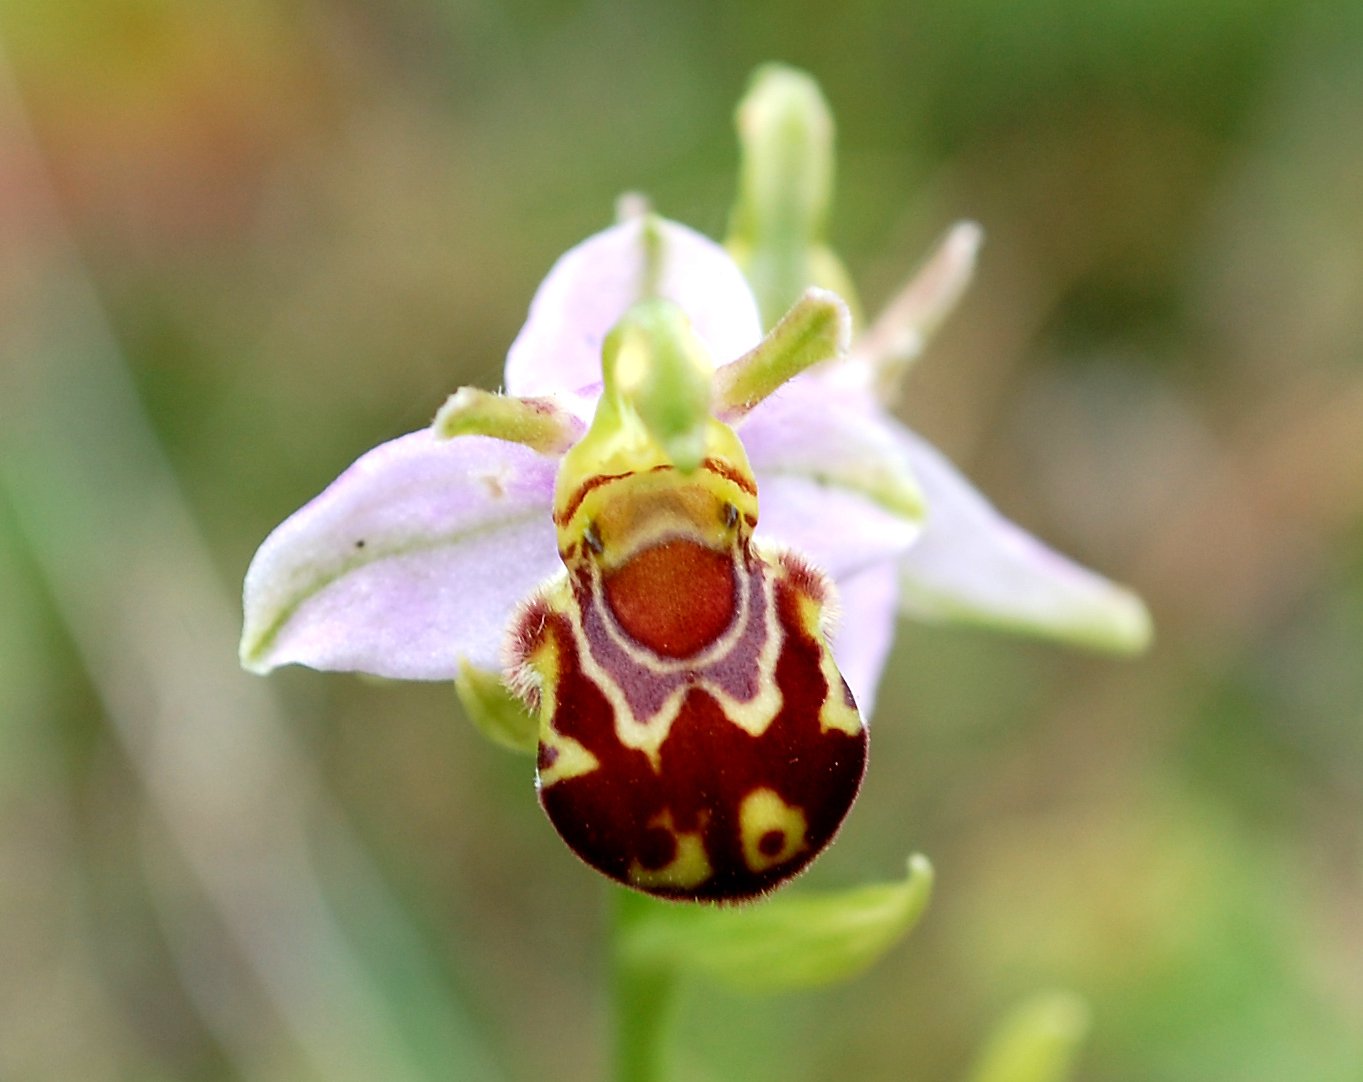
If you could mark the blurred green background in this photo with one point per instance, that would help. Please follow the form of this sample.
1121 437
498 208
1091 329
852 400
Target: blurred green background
241 243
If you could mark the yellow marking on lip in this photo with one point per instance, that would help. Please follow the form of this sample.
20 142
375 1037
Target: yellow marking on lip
762 816
834 712
571 758
688 868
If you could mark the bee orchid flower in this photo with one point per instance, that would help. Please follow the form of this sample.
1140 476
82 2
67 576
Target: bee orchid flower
669 558
673 554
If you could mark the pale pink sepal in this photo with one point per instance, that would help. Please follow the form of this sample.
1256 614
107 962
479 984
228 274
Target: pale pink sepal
833 481
839 531
974 566
864 631
590 287
414 558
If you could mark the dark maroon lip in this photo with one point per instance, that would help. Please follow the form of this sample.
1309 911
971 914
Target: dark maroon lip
628 815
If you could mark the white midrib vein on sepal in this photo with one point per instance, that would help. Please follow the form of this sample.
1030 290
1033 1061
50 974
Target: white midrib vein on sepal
255 647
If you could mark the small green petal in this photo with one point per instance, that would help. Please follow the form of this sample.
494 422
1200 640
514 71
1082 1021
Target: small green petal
1036 1042
495 711
818 328
787 942
536 423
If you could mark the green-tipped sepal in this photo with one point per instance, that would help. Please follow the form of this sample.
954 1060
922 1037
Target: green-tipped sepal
818 328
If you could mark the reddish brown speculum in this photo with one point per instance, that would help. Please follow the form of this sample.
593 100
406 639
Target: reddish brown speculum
674 598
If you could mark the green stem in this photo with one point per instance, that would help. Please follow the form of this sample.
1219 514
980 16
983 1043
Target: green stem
641 1001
